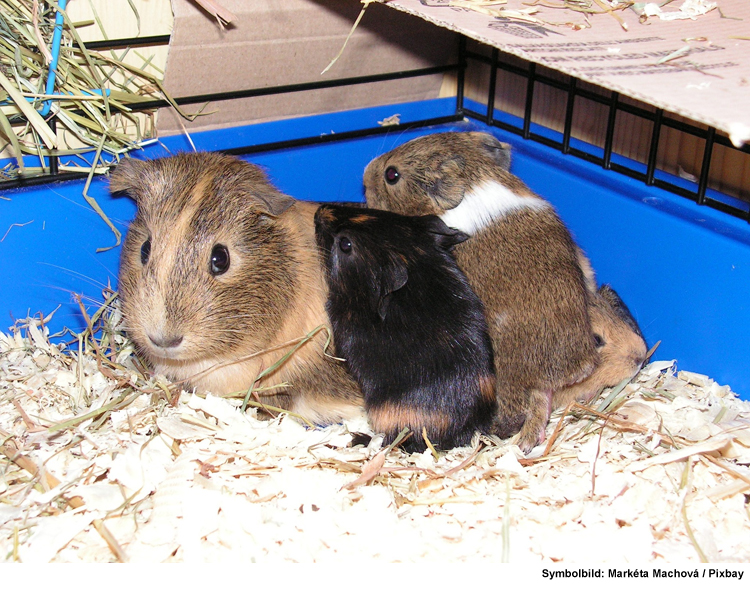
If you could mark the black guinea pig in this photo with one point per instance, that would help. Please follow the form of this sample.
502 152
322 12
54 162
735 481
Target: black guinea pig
410 328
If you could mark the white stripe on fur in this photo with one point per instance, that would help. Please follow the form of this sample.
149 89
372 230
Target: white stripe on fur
486 203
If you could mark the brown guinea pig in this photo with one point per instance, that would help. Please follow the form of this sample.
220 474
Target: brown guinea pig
619 342
412 331
219 272
521 261
622 348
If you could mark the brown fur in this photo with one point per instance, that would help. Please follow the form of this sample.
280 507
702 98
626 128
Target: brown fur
621 347
362 219
273 291
442 167
393 417
487 386
524 267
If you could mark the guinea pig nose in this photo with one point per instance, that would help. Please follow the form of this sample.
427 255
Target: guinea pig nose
165 341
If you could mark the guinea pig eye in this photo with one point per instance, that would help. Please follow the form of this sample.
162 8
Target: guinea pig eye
219 259
598 341
345 245
145 251
392 175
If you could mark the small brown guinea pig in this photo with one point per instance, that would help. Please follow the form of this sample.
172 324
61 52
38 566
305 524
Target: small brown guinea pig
410 328
521 261
218 273
622 348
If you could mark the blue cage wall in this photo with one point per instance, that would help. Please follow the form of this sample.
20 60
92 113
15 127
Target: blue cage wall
683 268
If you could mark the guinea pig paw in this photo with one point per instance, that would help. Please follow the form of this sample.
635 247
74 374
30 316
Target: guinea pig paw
530 437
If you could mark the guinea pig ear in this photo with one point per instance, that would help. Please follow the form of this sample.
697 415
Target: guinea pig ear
393 278
445 236
495 149
615 302
275 202
254 182
443 182
127 177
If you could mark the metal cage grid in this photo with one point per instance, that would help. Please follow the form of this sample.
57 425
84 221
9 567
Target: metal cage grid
659 120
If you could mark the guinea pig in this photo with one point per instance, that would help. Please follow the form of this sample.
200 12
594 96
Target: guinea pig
219 273
521 261
411 330
620 343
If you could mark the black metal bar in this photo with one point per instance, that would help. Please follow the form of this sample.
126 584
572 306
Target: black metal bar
41 179
289 88
569 114
340 136
654 149
613 103
725 141
682 192
605 100
495 123
503 66
493 85
706 166
610 137
461 75
570 87
536 137
266 147
712 203
53 160
529 101
637 111
633 174
128 42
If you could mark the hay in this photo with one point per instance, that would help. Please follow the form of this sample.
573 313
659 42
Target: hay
89 93
105 462
47 74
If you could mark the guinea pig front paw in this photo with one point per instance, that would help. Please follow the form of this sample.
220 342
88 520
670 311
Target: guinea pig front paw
534 430
529 437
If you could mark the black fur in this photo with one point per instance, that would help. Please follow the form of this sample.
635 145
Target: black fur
411 329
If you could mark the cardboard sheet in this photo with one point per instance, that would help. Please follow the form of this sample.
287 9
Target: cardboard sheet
281 42
698 68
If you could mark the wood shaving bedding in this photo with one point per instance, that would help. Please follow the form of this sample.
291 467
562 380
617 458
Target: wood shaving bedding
103 463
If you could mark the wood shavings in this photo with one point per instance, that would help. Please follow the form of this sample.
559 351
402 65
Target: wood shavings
690 9
201 481
522 14
392 120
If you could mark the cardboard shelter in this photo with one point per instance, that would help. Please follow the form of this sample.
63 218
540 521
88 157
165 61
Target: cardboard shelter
273 44
692 61
695 67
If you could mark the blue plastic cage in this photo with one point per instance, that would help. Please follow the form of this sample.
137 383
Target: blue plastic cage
676 251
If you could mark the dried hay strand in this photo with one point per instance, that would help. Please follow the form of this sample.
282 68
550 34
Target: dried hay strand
88 93
59 99
104 462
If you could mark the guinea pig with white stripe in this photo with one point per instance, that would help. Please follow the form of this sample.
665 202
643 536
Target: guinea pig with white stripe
520 260
410 328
